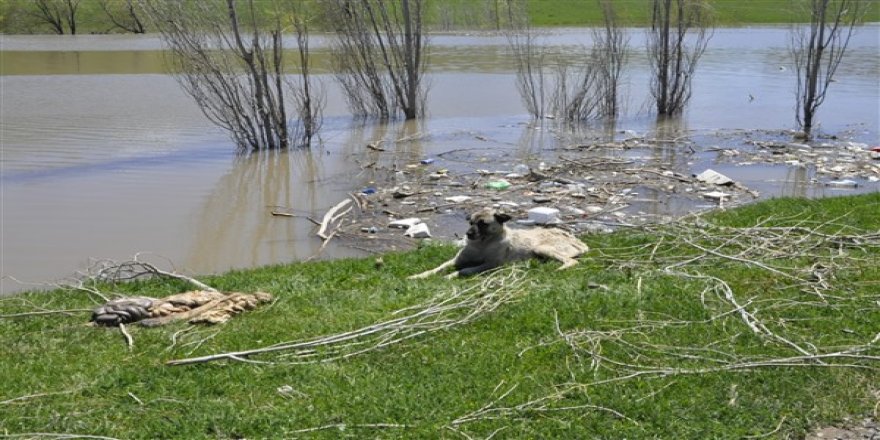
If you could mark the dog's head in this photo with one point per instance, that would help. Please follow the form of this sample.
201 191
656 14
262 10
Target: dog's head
486 223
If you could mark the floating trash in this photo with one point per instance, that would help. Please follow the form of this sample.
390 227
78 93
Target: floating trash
846 183
405 223
713 177
717 195
498 184
458 199
419 230
544 215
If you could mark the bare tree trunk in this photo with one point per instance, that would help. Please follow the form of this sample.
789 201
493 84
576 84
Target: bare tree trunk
309 103
412 47
124 16
817 51
530 62
673 59
379 54
530 69
234 69
609 57
70 16
57 13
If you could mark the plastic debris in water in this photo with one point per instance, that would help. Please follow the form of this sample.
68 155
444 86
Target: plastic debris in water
418 231
543 215
458 199
843 183
498 184
405 223
713 177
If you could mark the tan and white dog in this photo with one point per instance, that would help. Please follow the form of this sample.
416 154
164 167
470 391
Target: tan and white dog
490 244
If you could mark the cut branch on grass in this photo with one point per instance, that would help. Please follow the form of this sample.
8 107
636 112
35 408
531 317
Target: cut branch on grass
702 254
445 310
344 426
109 271
34 396
58 435
129 341
45 312
542 405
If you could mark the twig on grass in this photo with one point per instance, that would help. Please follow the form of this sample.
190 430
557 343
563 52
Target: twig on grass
34 396
56 435
45 312
768 434
114 272
344 426
543 405
128 339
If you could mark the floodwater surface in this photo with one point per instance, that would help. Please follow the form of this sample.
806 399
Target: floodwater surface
104 157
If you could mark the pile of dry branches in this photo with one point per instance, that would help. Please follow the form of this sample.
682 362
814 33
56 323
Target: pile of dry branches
801 259
443 311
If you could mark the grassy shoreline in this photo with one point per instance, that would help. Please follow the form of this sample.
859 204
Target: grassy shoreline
637 12
631 342
17 18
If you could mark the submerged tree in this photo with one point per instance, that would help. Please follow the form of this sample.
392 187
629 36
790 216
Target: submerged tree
680 31
609 56
232 64
817 50
530 61
379 54
581 90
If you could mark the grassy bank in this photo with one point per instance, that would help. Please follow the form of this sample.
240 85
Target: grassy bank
18 16
638 12
709 328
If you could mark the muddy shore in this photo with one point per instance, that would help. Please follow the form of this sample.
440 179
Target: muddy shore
587 185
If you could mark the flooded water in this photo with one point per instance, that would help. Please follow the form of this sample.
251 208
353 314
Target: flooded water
103 156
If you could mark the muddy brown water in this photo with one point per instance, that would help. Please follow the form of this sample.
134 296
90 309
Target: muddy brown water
103 156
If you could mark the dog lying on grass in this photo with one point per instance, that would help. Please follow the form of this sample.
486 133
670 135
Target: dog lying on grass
490 244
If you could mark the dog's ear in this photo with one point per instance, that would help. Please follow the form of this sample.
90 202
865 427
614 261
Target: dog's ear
501 217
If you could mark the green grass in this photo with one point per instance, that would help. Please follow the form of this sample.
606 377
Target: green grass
638 12
78 379
17 16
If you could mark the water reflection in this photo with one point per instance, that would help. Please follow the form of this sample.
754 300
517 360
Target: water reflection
235 228
82 62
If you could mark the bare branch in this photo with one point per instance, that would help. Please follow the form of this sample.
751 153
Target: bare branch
234 69
379 55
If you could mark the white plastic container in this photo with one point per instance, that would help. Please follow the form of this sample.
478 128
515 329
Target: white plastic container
418 231
405 223
543 215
